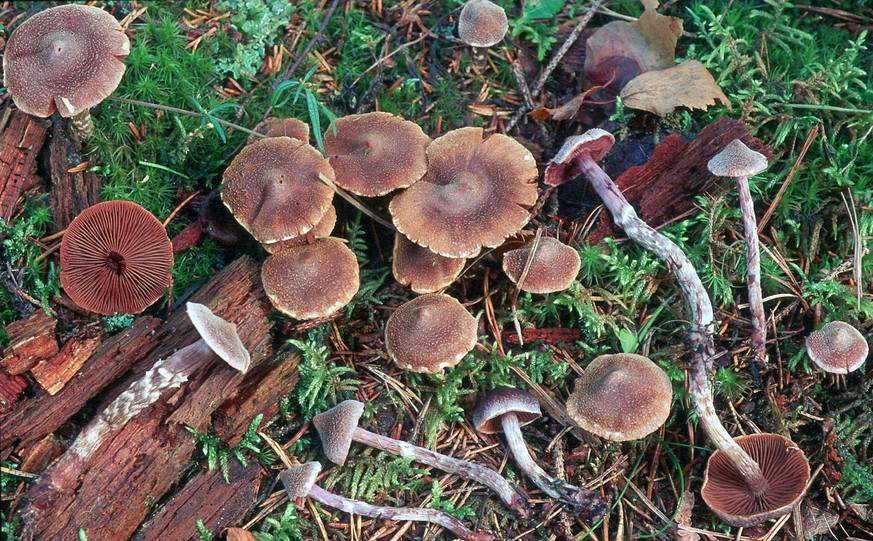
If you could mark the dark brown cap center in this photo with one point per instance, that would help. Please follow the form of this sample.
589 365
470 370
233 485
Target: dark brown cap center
115 262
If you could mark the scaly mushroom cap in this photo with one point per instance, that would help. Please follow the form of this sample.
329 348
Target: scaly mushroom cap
504 400
482 23
298 481
66 58
115 257
837 348
281 127
430 333
421 269
322 229
335 428
311 280
553 267
220 336
725 490
737 160
376 153
476 193
596 142
273 190
621 397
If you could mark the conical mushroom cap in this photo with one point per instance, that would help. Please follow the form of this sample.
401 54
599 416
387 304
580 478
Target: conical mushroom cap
220 336
553 267
335 428
837 348
595 142
737 160
299 481
482 23
501 401
422 270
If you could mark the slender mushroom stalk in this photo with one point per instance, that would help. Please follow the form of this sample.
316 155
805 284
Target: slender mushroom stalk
739 161
300 482
338 427
700 334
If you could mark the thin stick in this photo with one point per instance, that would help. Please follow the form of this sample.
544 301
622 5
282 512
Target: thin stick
315 39
766 217
180 207
186 112
355 203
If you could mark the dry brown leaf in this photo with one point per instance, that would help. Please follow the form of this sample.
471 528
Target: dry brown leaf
238 534
688 84
563 112
683 518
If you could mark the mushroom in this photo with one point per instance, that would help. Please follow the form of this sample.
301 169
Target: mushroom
376 153
837 348
338 427
281 127
422 270
300 483
507 410
220 224
784 467
115 257
482 24
323 228
430 333
739 161
621 397
475 193
553 266
66 58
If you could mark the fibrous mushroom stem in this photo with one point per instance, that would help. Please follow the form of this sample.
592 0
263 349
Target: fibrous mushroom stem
513 499
397 513
700 335
83 125
480 59
753 270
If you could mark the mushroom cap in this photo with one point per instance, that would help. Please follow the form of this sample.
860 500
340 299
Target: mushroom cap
504 400
621 397
220 336
596 142
311 280
783 465
115 257
430 333
482 23
299 480
335 428
281 127
66 58
273 190
553 267
737 160
424 271
323 228
837 348
475 193
376 153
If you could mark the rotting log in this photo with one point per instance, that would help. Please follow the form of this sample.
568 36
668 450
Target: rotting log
21 138
10 387
52 374
73 189
31 340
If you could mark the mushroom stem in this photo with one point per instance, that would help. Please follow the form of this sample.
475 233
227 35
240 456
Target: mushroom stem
700 335
513 499
479 59
435 516
83 125
753 272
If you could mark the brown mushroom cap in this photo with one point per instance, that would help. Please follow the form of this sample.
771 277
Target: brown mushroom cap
737 160
786 469
311 280
335 428
220 336
504 400
66 58
322 229
621 397
475 193
281 127
376 153
430 333
421 269
482 23
553 267
273 190
298 481
596 142
837 348
115 257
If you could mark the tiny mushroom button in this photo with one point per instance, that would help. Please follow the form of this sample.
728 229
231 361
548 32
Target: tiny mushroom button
837 348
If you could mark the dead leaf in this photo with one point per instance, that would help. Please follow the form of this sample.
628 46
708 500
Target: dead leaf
563 112
683 518
238 534
688 84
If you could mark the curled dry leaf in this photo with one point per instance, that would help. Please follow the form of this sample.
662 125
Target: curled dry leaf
683 518
688 84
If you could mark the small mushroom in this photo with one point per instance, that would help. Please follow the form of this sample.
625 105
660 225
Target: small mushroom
422 270
300 483
338 427
281 127
837 348
553 266
482 24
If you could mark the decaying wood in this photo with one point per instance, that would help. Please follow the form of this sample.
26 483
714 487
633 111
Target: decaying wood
10 387
31 340
40 454
21 138
71 192
52 374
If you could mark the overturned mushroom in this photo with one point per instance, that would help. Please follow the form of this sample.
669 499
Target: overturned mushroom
338 427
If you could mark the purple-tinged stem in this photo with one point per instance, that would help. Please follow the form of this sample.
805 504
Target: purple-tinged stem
753 272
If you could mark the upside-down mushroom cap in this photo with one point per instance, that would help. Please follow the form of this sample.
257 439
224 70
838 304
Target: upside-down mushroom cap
422 270
311 280
322 229
273 189
595 142
737 160
66 58
220 336
501 401
837 348
784 467
298 481
475 193
553 267
376 153
621 397
482 23
430 333
281 127
335 428
115 257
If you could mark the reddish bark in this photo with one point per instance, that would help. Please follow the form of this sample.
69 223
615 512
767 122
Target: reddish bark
21 138
31 340
10 388
52 374
188 237
71 193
